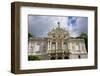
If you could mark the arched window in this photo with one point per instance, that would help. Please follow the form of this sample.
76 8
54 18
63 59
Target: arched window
58 36
59 58
79 56
64 36
66 57
52 58
53 43
53 36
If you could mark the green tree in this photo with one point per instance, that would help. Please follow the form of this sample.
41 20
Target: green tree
29 35
85 37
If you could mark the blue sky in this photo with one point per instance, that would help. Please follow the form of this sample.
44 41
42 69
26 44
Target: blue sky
39 26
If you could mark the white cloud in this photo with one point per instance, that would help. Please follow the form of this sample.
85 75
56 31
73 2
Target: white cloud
41 25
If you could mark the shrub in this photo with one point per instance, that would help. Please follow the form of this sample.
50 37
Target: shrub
32 57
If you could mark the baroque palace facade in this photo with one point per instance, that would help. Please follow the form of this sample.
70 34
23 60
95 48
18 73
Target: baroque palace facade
57 45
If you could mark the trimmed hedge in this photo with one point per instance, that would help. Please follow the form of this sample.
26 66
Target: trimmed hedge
32 57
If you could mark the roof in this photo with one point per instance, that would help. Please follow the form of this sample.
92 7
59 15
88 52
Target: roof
58 31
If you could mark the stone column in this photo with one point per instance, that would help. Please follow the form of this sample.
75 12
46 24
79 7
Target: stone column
84 47
56 56
31 48
56 46
48 47
63 56
62 46
80 46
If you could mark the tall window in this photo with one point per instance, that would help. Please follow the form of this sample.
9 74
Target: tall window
64 45
82 46
53 45
77 46
73 47
59 45
53 42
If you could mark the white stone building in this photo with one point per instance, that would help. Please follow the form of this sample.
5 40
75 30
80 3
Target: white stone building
58 45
